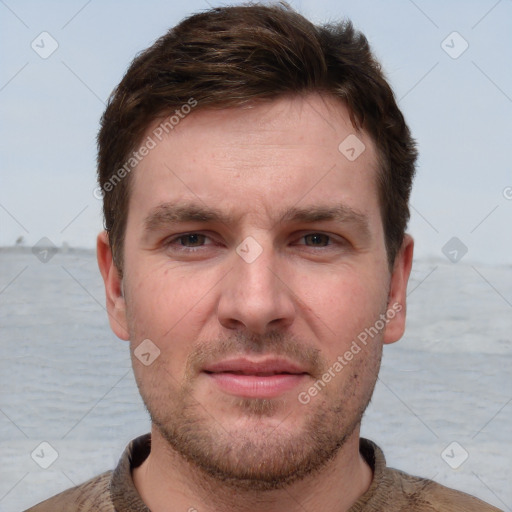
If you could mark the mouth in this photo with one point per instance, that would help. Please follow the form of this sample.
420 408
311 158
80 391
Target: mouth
247 378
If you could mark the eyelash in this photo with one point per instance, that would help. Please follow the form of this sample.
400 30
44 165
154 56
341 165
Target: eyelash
331 241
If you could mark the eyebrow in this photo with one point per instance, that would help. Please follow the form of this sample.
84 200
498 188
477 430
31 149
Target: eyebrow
172 213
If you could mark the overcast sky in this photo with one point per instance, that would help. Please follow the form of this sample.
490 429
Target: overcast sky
448 62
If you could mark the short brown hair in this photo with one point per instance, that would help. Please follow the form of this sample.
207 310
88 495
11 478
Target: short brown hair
231 56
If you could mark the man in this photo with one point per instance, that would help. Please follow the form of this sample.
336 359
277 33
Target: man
256 172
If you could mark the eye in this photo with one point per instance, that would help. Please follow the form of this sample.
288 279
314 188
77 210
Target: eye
321 244
195 239
317 240
188 242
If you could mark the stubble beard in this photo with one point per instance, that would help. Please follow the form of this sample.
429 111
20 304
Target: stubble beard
265 456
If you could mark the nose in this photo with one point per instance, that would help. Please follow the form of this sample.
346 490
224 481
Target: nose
255 296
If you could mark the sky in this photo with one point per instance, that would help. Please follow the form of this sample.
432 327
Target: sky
448 63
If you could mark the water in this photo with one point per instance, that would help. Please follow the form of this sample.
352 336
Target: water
66 379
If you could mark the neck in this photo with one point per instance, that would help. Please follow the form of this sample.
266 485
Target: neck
165 477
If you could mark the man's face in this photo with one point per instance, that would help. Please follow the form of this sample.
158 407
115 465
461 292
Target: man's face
254 257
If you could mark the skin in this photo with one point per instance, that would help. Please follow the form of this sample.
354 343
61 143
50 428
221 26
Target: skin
305 298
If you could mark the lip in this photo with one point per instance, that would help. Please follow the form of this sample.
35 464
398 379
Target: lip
267 378
246 366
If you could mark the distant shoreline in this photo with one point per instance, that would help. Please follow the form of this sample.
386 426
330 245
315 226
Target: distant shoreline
89 251
25 249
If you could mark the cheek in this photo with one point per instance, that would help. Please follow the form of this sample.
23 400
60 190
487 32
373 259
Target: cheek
170 308
342 305
158 298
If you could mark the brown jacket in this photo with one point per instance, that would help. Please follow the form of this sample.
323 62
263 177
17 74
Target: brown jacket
391 490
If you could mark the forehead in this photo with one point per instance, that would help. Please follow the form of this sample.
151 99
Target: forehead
292 150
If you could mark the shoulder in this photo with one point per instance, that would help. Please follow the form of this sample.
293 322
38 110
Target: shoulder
407 493
91 495
422 494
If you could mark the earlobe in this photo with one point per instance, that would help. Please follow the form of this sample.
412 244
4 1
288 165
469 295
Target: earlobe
397 305
115 301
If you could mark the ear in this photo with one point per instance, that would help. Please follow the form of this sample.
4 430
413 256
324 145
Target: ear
116 305
396 312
